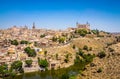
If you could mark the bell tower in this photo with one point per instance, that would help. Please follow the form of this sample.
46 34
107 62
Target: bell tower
33 27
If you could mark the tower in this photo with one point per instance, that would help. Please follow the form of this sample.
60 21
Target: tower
77 23
33 26
88 25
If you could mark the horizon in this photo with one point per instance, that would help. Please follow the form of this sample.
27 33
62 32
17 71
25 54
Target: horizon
51 14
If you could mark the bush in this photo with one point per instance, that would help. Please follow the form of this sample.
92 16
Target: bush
17 65
90 49
43 63
111 50
43 35
101 54
74 46
28 62
30 52
82 32
24 42
85 47
99 70
61 39
96 32
3 69
80 52
65 76
54 39
14 42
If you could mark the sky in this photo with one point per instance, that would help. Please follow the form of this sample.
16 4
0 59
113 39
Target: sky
61 14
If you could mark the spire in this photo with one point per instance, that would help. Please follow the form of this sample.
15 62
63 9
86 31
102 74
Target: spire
33 26
76 23
87 23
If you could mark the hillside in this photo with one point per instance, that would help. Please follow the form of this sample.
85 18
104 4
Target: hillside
109 65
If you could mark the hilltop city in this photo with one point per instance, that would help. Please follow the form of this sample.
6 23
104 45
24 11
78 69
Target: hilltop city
29 50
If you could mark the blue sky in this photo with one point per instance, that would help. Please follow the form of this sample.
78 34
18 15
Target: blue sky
60 14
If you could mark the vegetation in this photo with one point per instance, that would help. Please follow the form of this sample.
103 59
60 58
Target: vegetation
61 39
101 54
30 52
90 49
86 58
111 50
14 42
85 47
24 42
74 46
28 62
81 32
96 32
66 58
43 35
99 70
65 76
4 70
80 52
56 56
43 63
54 39
17 66
45 52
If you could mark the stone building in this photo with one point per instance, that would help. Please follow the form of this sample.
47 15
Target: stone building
83 26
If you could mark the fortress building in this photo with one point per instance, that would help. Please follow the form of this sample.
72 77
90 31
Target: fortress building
83 26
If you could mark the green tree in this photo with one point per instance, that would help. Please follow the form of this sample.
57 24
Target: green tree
96 32
43 63
101 54
99 70
54 39
3 69
24 42
28 62
14 42
85 47
56 56
66 58
30 52
82 32
73 46
43 35
65 76
45 52
61 39
17 65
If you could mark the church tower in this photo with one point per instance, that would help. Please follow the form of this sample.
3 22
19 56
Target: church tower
88 25
33 27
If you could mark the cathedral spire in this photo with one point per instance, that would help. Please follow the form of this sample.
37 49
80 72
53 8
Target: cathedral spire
33 26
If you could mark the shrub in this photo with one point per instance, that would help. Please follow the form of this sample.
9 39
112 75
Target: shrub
80 52
65 76
101 54
43 63
28 62
14 42
111 50
90 49
85 47
54 39
99 70
17 65
95 32
82 32
30 52
24 42
74 46
43 35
